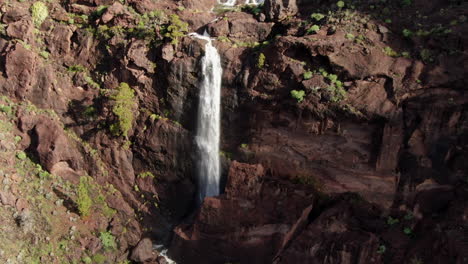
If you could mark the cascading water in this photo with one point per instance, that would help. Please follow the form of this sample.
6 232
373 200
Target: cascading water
208 124
247 2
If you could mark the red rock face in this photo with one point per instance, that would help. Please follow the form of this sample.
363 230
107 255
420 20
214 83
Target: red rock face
293 168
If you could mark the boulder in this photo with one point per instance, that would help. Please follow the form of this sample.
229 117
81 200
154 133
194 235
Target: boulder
277 10
143 252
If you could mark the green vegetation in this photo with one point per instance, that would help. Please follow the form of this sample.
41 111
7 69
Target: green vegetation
176 29
407 33
406 2
44 54
392 221
313 29
426 56
90 198
224 39
307 75
349 36
335 88
261 60
382 249
145 174
408 231
317 16
6 109
84 201
390 52
408 216
340 4
39 13
21 155
98 259
298 95
252 9
108 241
76 68
124 103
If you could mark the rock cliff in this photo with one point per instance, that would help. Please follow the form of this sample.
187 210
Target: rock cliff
344 132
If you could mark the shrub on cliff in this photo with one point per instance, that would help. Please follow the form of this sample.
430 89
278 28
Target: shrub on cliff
108 240
176 29
298 95
123 108
261 60
84 201
39 13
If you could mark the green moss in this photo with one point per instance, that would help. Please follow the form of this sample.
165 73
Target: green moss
123 108
39 13
261 60
298 95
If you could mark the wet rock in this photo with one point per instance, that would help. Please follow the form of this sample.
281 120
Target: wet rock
143 252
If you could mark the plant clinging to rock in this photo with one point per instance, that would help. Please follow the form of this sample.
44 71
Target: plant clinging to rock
123 109
84 201
39 13
261 60
177 28
298 95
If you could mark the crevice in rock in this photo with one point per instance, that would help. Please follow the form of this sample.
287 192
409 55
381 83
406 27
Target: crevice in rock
31 150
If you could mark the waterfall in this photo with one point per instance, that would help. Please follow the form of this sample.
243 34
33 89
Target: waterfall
208 123
247 2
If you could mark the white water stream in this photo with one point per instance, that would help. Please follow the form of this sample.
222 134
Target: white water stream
247 2
208 123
